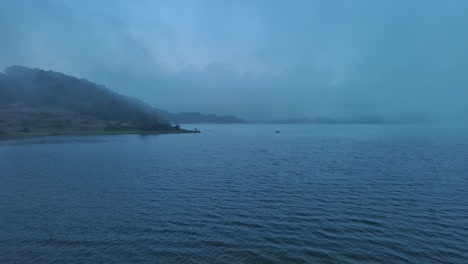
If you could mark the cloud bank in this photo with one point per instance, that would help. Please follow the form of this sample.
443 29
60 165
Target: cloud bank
260 60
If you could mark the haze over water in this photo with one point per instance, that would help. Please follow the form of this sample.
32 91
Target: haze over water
238 193
234 193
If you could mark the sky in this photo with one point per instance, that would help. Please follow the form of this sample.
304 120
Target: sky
394 60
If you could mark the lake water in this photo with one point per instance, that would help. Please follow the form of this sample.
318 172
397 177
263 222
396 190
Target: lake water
238 194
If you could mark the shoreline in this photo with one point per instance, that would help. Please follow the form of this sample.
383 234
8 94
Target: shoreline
50 133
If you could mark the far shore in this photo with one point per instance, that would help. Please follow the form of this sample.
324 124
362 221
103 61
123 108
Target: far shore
48 133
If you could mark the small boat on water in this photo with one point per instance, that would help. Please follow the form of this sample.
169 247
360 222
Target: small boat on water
277 131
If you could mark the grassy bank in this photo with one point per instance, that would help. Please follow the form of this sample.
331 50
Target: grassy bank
46 133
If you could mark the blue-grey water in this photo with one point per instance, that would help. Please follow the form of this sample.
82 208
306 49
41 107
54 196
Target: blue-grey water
238 194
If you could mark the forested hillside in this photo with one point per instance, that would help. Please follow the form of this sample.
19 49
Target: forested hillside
34 98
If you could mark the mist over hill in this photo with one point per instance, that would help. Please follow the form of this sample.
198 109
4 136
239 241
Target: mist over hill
32 99
316 120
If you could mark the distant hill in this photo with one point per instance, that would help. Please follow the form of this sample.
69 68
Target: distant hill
37 99
198 118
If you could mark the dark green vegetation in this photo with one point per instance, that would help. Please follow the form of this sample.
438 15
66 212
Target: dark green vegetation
38 102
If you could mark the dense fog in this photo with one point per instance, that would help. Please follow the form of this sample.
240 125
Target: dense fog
355 61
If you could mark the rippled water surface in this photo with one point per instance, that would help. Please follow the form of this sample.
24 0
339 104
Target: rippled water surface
238 193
